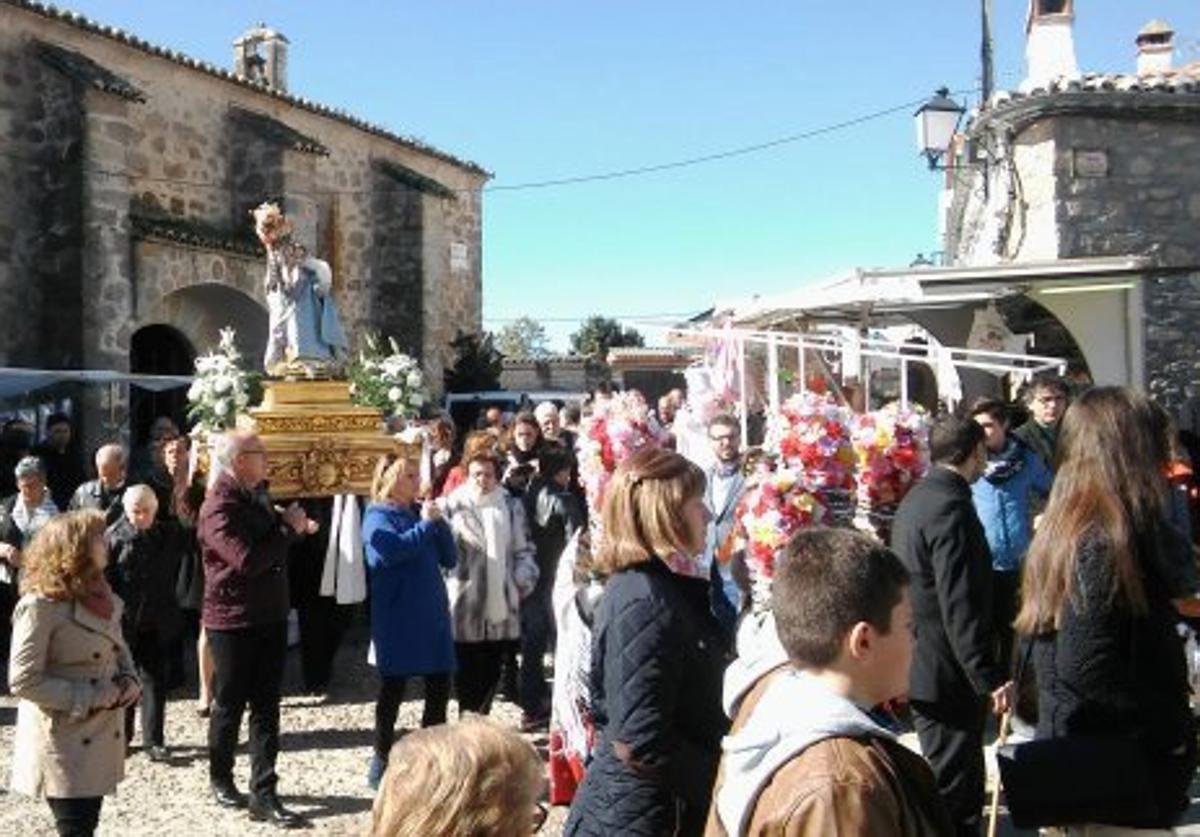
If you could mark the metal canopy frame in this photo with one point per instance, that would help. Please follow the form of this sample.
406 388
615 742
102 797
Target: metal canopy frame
1025 366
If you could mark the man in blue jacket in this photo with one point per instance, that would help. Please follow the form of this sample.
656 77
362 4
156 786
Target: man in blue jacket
1003 499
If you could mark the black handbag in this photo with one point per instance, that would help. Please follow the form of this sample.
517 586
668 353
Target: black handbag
1077 779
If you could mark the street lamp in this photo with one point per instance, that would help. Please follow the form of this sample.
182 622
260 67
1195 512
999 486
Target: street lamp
937 122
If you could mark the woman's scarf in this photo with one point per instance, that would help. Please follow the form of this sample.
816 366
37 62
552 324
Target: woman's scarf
1003 466
29 520
98 598
687 565
497 534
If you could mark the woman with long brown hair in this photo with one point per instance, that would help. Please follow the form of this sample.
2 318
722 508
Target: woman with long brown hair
657 658
1096 596
72 672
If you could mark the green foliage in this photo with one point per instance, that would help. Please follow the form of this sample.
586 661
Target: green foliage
598 334
477 363
523 337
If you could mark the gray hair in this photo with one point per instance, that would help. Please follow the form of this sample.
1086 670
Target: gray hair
230 444
110 453
140 494
30 466
545 409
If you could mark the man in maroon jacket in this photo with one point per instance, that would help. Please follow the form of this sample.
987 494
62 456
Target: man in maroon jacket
244 544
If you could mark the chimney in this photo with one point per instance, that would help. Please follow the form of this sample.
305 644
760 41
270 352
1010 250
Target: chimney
1156 45
269 66
1049 43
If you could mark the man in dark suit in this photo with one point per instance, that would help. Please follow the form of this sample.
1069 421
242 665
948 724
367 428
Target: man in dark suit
954 676
725 485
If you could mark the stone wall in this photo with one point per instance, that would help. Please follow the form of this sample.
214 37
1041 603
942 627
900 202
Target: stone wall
109 139
41 148
1172 311
1139 194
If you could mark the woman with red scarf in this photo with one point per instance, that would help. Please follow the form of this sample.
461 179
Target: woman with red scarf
72 672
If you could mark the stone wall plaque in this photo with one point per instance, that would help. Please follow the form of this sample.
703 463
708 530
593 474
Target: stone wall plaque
459 260
1089 163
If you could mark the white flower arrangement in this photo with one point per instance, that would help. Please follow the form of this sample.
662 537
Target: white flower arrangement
391 383
220 389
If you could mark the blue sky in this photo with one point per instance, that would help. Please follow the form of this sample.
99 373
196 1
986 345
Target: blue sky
536 90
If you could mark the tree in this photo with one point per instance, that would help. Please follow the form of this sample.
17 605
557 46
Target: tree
477 364
599 334
523 337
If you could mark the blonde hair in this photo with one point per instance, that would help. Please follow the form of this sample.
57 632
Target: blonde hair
58 563
387 473
140 494
643 509
472 779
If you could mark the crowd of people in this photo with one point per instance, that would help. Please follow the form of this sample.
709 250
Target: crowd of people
1037 573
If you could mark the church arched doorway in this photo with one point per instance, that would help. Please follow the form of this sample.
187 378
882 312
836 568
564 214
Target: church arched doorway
158 350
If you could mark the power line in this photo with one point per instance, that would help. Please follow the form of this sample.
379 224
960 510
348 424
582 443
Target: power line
548 183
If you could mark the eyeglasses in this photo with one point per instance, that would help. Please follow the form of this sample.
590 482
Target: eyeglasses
723 438
541 812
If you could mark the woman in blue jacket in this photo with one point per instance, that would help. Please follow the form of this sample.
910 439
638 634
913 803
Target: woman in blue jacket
1004 501
406 548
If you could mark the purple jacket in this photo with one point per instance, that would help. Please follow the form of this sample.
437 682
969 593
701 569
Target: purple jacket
244 547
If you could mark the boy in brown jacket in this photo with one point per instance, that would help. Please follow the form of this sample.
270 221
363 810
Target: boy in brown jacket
804 756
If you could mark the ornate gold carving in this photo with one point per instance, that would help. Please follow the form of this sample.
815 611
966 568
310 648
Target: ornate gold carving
318 443
318 423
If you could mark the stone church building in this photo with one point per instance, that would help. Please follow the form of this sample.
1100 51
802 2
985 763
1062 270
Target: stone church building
128 172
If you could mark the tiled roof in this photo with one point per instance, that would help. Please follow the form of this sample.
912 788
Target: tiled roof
555 359
277 132
88 72
81 22
414 179
1092 93
192 234
1185 80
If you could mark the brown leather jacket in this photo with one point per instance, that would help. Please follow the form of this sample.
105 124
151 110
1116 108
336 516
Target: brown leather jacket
873 787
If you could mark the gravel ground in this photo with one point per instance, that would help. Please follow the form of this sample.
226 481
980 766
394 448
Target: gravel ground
325 746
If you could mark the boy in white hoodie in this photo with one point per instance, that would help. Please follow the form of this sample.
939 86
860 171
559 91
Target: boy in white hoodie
804 756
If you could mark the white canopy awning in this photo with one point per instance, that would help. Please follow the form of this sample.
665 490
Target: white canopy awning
16 381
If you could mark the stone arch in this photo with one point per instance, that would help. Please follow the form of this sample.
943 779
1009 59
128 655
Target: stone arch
1052 332
158 350
201 310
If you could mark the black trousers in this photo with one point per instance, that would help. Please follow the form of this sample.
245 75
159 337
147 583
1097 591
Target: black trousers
76 817
1006 591
248 669
537 631
478 677
150 655
952 742
387 707
321 620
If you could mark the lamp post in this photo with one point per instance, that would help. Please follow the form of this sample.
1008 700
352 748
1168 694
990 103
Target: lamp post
937 121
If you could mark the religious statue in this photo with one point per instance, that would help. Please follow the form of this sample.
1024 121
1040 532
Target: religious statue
305 336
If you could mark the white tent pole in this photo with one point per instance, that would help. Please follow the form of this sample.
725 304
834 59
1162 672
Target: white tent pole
745 397
903 383
773 372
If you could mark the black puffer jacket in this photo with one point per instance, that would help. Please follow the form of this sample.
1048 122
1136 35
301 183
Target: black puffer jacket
657 664
1108 671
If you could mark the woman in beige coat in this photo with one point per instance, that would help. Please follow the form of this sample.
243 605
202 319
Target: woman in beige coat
72 672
